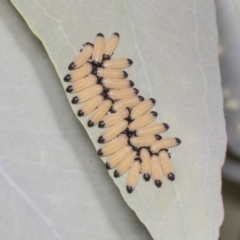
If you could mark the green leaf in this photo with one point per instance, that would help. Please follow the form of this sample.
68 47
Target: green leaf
174 49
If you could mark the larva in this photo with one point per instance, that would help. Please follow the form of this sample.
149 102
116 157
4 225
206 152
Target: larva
110 73
143 121
164 143
110 46
81 84
157 173
116 83
82 57
78 73
114 118
122 94
130 138
133 174
142 108
87 93
146 164
99 44
153 129
166 164
90 105
113 131
117 63
139 142
113 146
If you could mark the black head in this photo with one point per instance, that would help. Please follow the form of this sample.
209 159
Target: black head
141 98
166 126
80 113
136 91
69 89
101 124
146 177
101 139
100 35
158 183
129 189
67 78
131 83
75 100
154 113
116 34
72 66
116 174
153 100
130 62
178 141
171 176
107 166
100 152
125 75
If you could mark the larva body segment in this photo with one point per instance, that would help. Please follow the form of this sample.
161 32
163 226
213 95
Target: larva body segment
126 103
142 121
125 164
110 46
153 129
114 118
146 141
157 173
99 44
142 108
166 165
117 157
133 174
122 93
110 73
90 105
117 63
113 131
146 164
117 83
99 113
87 94
82 57
82 84
113 146
78 73
164 143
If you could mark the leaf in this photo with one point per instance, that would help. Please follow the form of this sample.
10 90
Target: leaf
174 48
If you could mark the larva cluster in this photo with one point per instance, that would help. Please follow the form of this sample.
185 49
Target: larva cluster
130 139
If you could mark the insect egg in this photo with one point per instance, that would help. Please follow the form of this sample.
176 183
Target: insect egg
166 164
116 83
114 118
157 173
146 164
82 57
143 121
113 131
117 63
110 46
99 113
78 73
99 44
109 73
81 84
90 105
122 93
113 146
164 143
87 93
133 174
